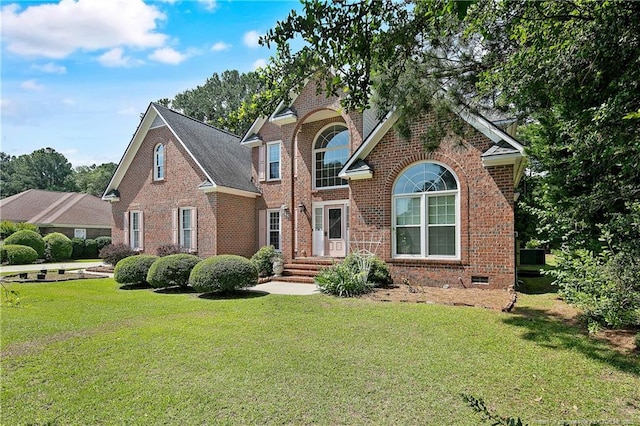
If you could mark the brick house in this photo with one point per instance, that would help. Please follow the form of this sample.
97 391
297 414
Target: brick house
183 182
316 182
333 181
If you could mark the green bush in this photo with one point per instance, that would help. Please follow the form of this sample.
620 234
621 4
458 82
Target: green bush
172 270
263 260
379 274
224 273
29 238
604 287
168 249
58 246
90 248
77 248
15 254
8 227
114 253
102 242
133 269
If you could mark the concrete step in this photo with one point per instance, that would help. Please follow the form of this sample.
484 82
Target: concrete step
294 279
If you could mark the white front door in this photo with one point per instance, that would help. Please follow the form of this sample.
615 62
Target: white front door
330 230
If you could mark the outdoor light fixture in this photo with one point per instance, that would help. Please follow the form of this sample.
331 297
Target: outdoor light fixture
302 208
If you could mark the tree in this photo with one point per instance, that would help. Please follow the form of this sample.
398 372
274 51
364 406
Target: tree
94 179
42 169
216 101
573 67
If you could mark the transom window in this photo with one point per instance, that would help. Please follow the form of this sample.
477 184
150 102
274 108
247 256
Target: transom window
330 153
426 212
158 162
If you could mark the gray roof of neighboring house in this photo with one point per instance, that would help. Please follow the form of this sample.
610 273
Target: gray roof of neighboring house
219 153
42 207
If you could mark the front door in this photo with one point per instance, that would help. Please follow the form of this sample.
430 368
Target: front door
329 230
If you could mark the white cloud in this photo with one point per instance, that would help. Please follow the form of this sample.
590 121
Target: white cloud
167 55
56 30
220 46
115 58
31 85
210 5
51 68
260 63
251 39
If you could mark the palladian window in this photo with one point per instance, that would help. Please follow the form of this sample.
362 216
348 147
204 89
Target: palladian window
330 153
426 214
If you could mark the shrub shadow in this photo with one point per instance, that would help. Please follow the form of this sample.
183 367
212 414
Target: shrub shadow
136 286
176 290
551 330
238 294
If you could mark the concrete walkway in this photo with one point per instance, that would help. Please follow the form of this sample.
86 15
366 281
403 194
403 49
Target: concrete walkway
272 287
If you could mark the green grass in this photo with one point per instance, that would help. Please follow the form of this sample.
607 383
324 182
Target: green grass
87 352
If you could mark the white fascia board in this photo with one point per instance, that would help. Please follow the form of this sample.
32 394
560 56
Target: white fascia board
71 225
282 120
357 175
257 124
489 129
226 190
367 146
501 159
252 143
132 149
110 199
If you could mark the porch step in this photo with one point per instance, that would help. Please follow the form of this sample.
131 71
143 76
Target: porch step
304 270
295 279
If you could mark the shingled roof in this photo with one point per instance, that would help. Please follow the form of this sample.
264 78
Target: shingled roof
59 209
225 162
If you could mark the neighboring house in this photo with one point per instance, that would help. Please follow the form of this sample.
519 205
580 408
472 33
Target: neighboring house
183 182
70 213
317 182
333 181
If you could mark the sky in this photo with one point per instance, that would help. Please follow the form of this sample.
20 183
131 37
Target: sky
77 74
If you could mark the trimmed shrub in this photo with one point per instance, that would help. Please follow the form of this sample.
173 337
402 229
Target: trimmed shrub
27 238
169 249
133 269
263 260
114 253
8 227
90 248
58 246
172 270
102 242
77 248
224 273
379 274
15 254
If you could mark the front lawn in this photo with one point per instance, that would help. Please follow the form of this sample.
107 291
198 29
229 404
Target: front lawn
86 352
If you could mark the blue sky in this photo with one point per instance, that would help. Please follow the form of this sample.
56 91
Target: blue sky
77 74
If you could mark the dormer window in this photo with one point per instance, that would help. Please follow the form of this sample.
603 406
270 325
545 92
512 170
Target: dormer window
158 162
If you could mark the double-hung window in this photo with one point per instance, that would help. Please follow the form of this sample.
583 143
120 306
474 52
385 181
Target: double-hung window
185 228
273 160
135 233
274 235
426 214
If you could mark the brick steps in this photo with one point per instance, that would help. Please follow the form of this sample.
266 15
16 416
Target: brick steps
303 270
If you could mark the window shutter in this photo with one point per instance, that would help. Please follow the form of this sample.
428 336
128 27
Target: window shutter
174 226
141 231
125 229
262 228
194 229
262 150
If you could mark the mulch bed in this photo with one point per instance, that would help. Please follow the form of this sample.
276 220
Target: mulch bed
502 300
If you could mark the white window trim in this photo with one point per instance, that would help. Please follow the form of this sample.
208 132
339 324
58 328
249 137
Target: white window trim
156 165
268 228
133 231
82 231
423 219
269 160
193 229
314 151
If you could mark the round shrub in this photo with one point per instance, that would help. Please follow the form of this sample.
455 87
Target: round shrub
379 274
90 248
17 254
172 270
77 248
102 242
114 253
263 260
58 246
27 238
133 269
223 273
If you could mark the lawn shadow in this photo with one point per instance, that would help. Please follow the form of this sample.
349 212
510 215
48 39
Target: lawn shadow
176 290
233 295
554 331
136 286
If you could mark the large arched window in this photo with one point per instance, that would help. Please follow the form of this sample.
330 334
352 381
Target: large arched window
330 153
158 162
426 213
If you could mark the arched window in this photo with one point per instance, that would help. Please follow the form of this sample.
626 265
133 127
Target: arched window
426 213
330 153
158 162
